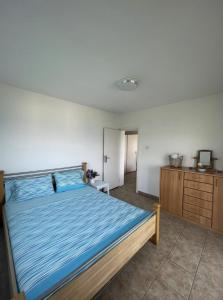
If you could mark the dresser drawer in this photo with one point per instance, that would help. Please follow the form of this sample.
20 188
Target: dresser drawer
199 177
198 186
197 219
198 194
198 202
197 210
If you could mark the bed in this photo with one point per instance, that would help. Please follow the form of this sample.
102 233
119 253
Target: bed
69 245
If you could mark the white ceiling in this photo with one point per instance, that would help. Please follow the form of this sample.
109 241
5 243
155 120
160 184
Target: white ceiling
77 49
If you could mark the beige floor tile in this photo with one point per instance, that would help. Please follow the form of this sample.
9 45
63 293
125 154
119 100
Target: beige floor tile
118 290
136 278
211 269
194 234
214 246
149 261
203 289
187 257
189 247
159 290
176 278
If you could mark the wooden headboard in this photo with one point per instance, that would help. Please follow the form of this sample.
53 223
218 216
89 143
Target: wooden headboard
3 176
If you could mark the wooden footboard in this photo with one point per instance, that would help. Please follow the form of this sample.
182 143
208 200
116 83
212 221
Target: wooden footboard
89 283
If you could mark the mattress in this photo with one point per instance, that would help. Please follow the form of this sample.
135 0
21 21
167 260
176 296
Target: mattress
56 237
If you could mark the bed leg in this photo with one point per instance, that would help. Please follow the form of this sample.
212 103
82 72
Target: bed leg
156 237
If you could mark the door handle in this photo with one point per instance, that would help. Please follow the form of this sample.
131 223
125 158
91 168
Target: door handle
106 158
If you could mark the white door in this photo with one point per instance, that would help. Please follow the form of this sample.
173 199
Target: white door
114 157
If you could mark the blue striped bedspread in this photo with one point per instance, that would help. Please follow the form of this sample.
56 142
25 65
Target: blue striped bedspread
55 236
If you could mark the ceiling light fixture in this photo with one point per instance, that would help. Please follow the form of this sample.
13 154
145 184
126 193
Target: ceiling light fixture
127 84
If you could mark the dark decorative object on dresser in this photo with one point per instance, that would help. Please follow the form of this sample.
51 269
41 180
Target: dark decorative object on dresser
204 160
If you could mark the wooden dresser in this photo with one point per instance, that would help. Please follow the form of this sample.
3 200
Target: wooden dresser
196 196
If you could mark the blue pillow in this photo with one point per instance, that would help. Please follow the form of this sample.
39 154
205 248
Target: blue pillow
29 188
69 180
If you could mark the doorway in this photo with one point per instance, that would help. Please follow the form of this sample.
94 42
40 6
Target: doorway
120 158
131 149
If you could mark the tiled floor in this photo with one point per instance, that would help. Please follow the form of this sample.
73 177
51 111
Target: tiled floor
188 263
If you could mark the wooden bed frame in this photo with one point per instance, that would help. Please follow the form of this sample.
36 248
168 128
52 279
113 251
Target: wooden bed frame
89 282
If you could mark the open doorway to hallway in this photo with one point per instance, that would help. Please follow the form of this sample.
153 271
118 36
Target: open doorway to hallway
131 148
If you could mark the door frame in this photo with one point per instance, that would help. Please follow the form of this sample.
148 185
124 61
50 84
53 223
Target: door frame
137 156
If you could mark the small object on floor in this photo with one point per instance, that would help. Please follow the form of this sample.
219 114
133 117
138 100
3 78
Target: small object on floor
101 185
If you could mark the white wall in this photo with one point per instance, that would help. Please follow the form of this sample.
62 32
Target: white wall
183 127
38 131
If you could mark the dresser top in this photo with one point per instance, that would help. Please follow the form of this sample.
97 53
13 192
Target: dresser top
194 170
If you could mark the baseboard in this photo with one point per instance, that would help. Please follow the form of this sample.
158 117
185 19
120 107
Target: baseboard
149 196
